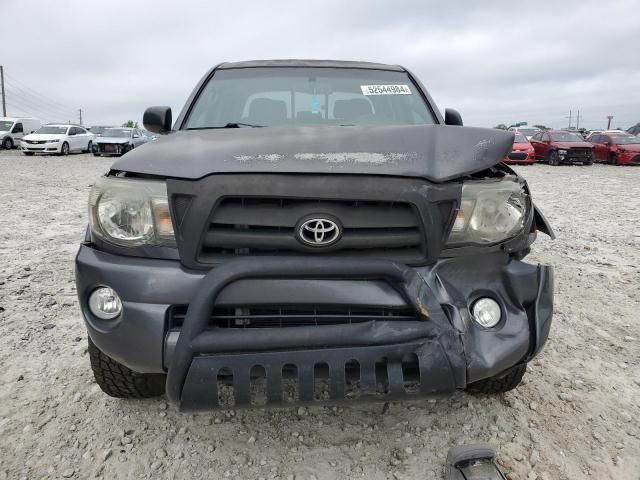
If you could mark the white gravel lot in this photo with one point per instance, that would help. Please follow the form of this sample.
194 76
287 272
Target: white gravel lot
576 414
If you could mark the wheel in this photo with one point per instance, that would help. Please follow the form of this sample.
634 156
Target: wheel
28 154
96 154
553 158
613 159
7 144
89 147
65 149
118 381
500 383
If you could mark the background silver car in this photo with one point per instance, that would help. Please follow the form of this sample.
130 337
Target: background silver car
118 141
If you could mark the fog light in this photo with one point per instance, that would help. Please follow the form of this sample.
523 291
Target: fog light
486 311
104 303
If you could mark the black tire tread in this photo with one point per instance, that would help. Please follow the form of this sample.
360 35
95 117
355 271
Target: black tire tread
118 381
499 384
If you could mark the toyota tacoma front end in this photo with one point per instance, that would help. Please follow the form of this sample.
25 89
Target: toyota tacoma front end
311 231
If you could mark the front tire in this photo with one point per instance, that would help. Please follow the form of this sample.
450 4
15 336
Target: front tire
64 150
500 383
613 159
553 158
28 154
88 150
7 144
118 381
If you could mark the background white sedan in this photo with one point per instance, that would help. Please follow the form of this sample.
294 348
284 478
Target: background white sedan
58 139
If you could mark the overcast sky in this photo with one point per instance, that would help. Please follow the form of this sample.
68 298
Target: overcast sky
496 62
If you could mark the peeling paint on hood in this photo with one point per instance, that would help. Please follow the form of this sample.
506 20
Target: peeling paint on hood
433 152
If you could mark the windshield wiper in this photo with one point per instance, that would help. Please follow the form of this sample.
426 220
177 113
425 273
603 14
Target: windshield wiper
228 125
238 125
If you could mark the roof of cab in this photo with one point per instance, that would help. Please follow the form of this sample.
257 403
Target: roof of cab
311 63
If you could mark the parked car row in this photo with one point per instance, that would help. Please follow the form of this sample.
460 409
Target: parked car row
32 137
560 147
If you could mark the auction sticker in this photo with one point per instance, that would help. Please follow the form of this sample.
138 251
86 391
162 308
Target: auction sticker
385 90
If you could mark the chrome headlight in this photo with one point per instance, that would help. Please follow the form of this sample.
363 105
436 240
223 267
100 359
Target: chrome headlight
490 212
53 141
561 150
130 212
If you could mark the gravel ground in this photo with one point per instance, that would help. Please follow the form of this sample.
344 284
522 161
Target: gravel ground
576 414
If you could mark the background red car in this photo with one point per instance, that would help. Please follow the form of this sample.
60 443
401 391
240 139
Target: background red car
522 152
562 147
616 148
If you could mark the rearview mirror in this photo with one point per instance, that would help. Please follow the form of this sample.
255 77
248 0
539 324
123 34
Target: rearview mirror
158 120
452 117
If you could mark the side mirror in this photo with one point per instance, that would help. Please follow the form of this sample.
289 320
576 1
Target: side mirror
452 117
157 120
607 144
136 136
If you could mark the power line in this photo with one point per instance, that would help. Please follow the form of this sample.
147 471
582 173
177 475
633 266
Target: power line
31 105
34 92
35 100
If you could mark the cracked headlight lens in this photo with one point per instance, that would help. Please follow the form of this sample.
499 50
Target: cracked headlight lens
131 212
490 212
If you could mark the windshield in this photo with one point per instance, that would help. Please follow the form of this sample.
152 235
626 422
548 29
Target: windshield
53 130
625 139
308 96
566 137
98 130
5 126
116 132
529 132
520 138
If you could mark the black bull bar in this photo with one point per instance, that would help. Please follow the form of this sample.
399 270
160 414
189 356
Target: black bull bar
201 353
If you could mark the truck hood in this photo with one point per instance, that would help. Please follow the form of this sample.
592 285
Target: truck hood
112 140
435 152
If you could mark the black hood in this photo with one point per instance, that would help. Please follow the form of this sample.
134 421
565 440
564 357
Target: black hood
433 152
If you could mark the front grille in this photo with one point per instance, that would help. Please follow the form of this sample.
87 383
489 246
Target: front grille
518 156
266 225
280 316
110 147
36 142
579 152
223 216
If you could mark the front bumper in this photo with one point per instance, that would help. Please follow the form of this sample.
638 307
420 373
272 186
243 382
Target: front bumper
41 147
449 349
628 158
520 157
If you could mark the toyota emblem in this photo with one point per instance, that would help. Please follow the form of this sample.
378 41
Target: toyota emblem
319 232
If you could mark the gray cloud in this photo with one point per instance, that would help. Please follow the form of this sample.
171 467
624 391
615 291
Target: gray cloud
497 62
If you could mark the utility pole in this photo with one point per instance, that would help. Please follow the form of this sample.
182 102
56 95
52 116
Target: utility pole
570 119
609 118
4 103
578 120
80 110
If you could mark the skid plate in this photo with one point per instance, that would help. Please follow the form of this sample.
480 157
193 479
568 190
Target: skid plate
201 389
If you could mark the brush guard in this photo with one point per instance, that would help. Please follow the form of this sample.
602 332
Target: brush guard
202 354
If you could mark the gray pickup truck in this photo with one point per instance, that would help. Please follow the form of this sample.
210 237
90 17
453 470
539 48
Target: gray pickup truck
311 231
